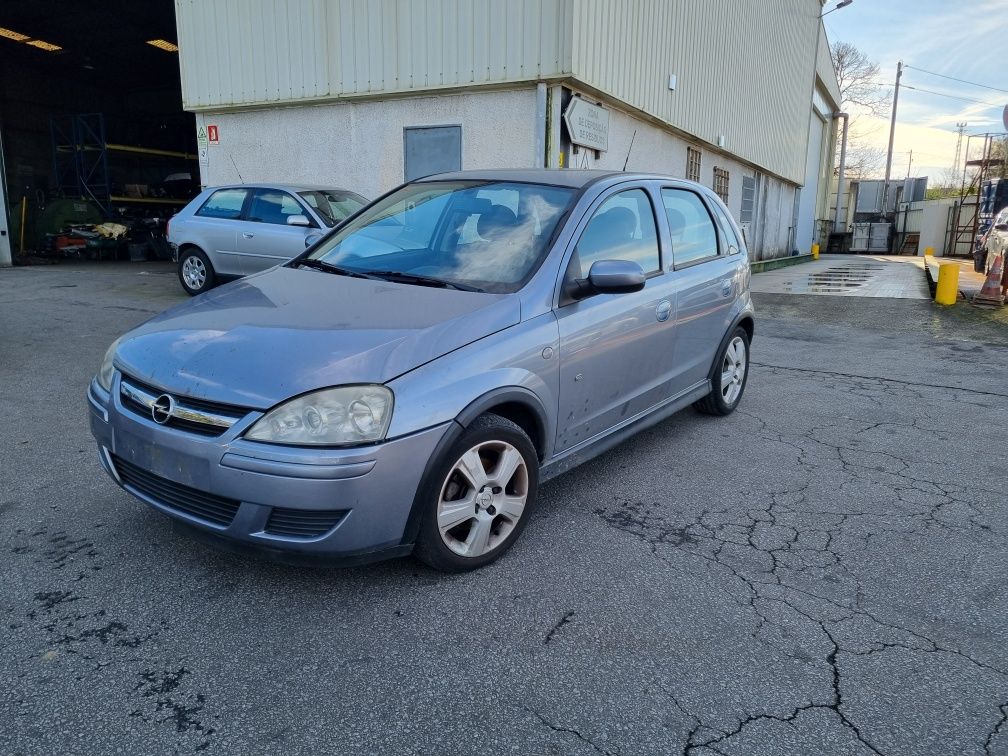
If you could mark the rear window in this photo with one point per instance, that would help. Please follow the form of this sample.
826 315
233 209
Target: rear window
224 203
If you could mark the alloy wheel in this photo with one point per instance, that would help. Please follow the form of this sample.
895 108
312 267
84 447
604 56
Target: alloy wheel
733 370
194 272
482 498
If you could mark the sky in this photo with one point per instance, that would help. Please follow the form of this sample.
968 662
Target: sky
965 40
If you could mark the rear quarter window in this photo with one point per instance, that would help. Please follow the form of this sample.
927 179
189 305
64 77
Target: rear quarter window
224 203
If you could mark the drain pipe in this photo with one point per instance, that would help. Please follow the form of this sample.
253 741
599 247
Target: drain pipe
840 178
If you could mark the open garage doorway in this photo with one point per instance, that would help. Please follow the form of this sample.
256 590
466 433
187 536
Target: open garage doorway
97 151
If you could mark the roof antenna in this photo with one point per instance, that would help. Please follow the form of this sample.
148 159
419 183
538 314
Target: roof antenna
629 148
236 167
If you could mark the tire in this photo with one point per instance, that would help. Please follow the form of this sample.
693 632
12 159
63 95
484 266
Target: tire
448 528
195 272
731 366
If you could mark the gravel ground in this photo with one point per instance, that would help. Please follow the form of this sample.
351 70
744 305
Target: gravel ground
821 572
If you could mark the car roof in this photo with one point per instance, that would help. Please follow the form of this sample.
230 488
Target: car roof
553 176
568 177
284 187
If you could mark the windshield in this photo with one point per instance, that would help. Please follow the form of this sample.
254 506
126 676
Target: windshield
487 235
333 206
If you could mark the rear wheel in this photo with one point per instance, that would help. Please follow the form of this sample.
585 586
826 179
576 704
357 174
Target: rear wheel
478 499
730 375
195 271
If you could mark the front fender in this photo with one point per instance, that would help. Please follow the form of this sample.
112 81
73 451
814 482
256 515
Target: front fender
517 364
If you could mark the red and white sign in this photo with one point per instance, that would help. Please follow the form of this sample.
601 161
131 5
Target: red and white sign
213 136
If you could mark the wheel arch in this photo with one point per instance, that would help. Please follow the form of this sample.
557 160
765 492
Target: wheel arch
744 320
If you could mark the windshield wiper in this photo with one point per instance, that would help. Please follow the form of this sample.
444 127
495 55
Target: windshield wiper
397 276
322 265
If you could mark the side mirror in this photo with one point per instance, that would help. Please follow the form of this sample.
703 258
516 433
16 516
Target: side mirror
310 239
298 220
609 277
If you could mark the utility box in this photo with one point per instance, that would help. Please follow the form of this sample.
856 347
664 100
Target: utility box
860 237
878 237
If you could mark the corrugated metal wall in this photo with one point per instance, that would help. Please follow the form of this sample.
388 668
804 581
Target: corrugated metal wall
256 52
744 69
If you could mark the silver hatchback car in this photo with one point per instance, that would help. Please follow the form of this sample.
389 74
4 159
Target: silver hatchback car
231 231
407 383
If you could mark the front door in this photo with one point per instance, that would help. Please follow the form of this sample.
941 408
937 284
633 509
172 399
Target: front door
264 238
615 349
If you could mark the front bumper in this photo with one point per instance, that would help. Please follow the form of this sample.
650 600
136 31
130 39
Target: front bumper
243 492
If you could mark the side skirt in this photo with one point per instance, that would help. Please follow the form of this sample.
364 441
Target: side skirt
603 442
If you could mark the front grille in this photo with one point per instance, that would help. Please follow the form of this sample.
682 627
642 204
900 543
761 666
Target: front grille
303 523
205 506
193 415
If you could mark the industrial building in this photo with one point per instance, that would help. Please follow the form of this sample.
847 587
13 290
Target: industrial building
738 95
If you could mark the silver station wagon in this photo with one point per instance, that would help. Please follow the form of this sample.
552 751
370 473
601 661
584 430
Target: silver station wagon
408 382
231 231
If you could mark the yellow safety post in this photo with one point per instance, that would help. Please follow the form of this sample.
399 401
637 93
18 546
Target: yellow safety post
948 284
815 251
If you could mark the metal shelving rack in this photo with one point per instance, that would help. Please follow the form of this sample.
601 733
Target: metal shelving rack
81 161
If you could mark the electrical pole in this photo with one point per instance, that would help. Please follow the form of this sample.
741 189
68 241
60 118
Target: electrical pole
961 128
892 136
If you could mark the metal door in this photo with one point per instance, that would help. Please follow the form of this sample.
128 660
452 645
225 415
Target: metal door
615 349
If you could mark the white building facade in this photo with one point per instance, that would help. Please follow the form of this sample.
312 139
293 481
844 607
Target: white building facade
364 94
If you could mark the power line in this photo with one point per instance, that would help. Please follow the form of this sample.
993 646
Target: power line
953 97
953 78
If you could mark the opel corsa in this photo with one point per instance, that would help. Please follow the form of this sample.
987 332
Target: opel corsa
409 382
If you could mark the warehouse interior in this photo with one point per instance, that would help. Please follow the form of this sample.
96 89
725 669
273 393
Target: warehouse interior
92 129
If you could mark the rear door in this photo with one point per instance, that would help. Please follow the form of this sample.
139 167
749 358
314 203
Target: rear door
216 224
705 282
264 238
616 350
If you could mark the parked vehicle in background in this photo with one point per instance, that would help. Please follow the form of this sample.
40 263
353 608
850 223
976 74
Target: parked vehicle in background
231 231
408 382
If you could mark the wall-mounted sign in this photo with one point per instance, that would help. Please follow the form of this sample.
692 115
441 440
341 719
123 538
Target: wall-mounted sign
212 134
201 144
587 124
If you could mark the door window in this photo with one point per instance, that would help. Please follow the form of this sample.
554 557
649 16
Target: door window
224 203
623 228
690 227
273 206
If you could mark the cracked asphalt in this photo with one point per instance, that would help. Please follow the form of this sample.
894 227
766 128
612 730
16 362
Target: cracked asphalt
823 572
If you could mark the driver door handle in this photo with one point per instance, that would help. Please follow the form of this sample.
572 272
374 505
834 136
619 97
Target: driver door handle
247 235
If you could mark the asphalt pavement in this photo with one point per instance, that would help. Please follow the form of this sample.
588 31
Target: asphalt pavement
822 572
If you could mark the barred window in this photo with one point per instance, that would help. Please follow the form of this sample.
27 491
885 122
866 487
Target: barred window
692 164
721 184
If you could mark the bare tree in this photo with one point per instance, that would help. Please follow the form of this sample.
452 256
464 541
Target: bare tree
858 76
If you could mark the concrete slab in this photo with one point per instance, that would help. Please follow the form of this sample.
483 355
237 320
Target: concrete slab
888 276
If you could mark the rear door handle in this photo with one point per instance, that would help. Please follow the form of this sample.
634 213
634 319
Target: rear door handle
247 235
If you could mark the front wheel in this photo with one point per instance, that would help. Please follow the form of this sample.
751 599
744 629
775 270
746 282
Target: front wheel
730 376
195 271
477 501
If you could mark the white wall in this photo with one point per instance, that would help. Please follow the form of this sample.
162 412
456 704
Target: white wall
359 145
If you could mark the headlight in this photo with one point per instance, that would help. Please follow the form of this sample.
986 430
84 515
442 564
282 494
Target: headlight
341 416
107 368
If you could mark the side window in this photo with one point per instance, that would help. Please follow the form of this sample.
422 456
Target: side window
273 206
224 203
623 228
731 238
690 227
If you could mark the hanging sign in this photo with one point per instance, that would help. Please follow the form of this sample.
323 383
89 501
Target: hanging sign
588 124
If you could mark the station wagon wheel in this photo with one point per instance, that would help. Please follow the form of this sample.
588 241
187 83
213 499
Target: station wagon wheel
729 375
195 271
483 491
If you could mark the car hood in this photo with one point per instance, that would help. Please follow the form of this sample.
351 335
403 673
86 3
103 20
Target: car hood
259 341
